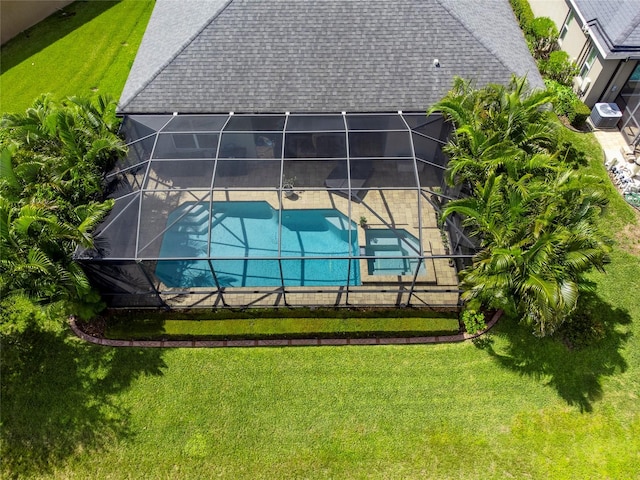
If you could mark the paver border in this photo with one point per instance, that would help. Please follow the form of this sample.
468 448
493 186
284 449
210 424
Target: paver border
461 337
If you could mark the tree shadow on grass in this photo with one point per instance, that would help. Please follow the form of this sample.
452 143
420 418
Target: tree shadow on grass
576 374
59 397
48 31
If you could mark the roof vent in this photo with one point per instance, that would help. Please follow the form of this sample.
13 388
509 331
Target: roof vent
436 63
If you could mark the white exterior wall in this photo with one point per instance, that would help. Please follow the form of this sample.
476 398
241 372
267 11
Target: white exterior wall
600 73
574 41
556 10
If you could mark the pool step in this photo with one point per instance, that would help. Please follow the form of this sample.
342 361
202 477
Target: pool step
197 229
197 216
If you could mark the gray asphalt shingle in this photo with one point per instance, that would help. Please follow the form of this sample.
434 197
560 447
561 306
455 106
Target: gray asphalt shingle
615 22
325 55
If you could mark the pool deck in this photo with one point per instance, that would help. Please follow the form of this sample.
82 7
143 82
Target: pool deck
383 208
438 285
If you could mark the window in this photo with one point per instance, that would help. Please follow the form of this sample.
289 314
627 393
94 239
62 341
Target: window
588 63
565 27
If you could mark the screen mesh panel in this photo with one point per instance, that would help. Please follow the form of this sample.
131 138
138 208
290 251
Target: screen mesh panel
215 210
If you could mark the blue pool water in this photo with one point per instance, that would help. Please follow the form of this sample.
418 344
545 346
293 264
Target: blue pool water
250 229
385 245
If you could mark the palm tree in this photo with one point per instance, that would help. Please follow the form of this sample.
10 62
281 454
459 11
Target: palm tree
52 169
538 238
494 125
69 148
37 248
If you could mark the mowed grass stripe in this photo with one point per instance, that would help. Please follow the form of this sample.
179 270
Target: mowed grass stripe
87 51
285 327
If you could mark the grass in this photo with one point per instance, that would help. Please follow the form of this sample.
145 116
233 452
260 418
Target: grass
85 51
618 212
509 406
152 329
506 406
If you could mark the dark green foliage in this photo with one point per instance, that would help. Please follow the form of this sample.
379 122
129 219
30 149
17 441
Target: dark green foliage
473 321
567 103
53 162
537 218
558 67
63 151
543 27
542 37
523 13
88 307
579 113
572 156
563 97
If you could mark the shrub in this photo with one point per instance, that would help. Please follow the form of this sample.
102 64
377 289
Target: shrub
473 321
18 314
542 37
579 113
523 13
558 68
564 97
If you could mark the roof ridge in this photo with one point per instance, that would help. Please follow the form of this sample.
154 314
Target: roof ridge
178 51
473 33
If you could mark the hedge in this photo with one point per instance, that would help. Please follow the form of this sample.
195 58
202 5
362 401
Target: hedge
579 113
523 13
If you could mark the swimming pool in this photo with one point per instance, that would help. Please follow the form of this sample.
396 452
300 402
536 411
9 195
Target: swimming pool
386 245
250 229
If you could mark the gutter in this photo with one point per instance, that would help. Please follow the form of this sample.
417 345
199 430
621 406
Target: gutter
589 27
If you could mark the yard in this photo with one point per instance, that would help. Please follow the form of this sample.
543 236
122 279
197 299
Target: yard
87 48
508 406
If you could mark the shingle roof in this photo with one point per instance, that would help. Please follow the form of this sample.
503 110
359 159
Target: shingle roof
616 24
320 56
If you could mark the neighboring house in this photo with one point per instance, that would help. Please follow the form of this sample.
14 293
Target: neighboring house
329 95
18 15
603 38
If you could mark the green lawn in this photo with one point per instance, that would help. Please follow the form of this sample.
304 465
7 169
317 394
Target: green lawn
88 50
144 328
508 406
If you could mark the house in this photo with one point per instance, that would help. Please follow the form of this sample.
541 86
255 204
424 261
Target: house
603 38
280 154
321 56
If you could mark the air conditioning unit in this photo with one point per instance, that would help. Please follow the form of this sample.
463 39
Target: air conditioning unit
605 115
